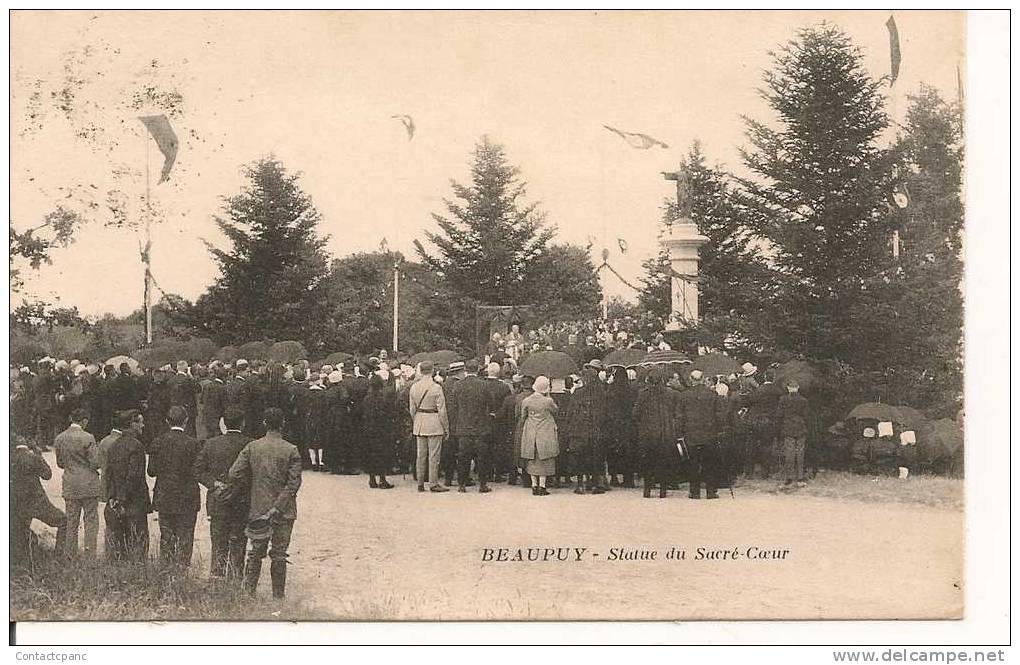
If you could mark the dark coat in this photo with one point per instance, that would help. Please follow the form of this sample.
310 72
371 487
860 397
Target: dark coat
379 428
172 464
214 402
699 415
125 393
125 475
473 399
338 409
622 398
318 418
296 414
182 390
656 414
792 416
212 464
761 406
588 412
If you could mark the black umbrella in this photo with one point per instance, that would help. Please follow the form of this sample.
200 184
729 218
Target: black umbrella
551 364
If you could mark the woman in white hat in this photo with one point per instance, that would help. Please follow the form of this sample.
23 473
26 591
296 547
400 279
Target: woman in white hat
539 437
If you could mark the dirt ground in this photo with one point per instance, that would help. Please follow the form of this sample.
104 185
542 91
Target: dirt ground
368 554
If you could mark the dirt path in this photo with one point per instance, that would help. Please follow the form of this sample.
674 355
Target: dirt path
396 554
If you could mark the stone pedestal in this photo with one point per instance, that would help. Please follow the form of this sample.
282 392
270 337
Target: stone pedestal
682 242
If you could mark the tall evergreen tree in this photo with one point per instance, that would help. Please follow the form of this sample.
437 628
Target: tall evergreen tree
819 192
915 305
271 277
490 237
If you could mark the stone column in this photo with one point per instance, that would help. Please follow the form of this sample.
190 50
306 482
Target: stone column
682 241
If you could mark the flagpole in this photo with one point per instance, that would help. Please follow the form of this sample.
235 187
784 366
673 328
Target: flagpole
148 247
396 303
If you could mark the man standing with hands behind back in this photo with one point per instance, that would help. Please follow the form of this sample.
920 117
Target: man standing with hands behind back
271 468
78 455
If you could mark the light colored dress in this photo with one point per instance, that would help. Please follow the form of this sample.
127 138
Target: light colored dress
539 437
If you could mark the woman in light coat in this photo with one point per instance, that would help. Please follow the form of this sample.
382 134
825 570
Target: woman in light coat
539 441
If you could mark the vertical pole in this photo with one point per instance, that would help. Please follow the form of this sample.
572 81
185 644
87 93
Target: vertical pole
148 247
396 303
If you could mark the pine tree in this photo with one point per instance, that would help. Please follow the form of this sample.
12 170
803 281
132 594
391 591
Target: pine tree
271 278
819 192
490 236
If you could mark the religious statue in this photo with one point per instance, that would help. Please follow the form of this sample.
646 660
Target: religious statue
684 190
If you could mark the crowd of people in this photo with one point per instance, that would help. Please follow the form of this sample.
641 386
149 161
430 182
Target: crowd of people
246 431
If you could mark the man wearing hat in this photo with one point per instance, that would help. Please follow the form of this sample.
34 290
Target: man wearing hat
586 428
271 467
427 405
472 406
44 402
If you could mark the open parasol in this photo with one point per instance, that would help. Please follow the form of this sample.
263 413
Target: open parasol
796 370
624 358
658 357
875 411
552 364
117 361
338 357
715 364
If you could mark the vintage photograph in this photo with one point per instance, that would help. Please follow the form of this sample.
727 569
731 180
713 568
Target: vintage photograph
487 316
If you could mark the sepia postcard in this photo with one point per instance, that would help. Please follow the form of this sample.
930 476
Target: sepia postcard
487 316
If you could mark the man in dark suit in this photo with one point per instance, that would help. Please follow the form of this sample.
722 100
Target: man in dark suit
227 508
214 401
448 463
127 506
473 402
699 407
295 415
499 452
176 496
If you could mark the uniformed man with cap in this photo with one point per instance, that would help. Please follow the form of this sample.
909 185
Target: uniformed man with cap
427 405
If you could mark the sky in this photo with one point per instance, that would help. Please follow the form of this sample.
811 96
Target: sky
317 90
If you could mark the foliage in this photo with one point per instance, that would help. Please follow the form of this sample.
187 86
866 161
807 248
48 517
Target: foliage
819 193
564 285
35 244
271 281
490 238
287 351
360 296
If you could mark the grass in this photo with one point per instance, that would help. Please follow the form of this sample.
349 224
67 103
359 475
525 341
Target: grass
80 590
935 491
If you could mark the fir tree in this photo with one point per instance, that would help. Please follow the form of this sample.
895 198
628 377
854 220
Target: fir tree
271 278
819 193
490 237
